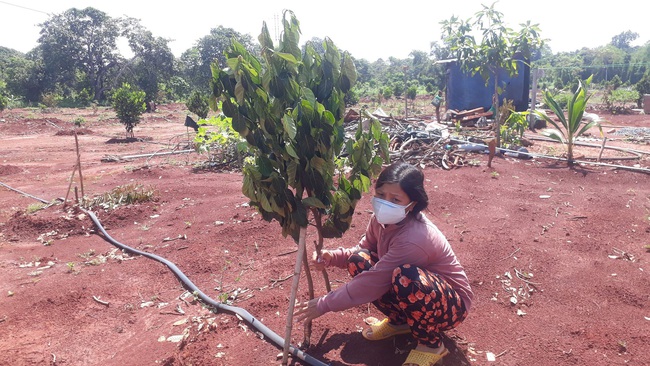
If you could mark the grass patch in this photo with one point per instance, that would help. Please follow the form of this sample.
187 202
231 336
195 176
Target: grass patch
129 194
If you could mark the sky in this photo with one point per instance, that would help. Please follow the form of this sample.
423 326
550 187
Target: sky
368 30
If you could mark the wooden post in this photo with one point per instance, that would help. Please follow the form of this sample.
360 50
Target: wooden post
536 74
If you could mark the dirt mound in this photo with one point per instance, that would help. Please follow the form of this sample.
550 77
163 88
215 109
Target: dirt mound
45 225
78 131
9 169
128 140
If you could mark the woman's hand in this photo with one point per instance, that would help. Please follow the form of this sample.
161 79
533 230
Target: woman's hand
306 311
319 263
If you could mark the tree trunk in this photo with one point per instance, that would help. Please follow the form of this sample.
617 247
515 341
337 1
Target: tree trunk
497 117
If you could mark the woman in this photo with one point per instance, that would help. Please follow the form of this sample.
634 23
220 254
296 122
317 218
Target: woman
404 265
437 102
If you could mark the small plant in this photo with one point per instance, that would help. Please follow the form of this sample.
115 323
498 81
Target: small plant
79 121
570 125
220 141
622 346
512 130
223 297
198 104
129 104
71 267
494 175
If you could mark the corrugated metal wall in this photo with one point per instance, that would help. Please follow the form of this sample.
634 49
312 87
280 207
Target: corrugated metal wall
468 92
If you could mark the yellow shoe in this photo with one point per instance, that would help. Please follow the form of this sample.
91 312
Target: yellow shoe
421 358
383 330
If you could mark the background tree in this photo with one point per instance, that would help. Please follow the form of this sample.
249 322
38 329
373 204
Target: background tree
20 74
4 101
497 50
411 94
153 61
210 49
623 40
642 87
79 46
129 106
289 107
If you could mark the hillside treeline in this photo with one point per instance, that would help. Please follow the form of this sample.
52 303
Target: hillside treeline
77 62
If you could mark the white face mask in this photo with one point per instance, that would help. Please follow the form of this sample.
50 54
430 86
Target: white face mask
388 213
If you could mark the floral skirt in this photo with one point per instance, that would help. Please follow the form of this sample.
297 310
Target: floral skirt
419 298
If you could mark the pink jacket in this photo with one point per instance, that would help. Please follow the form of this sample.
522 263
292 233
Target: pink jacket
416 241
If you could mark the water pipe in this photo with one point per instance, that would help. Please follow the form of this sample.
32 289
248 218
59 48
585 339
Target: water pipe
242 313
533 155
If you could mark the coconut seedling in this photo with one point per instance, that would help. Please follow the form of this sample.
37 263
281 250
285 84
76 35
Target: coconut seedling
569 126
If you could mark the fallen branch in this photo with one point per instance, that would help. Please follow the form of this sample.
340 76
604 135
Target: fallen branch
522 277
96 298
511 254
287 253
275 281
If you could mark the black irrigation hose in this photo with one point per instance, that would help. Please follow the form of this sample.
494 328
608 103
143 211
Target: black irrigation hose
245 315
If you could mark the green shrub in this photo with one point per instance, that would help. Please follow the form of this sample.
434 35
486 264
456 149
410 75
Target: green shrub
129 105
562 99
51 99
198 104
642 87
4 101
79 121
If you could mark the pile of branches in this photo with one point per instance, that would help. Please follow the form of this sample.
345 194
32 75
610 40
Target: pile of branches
423 143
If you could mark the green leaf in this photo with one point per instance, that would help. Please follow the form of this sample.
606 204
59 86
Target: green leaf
318 164
264 201
239 93
289 126
313 202
287 57
291 151
248 188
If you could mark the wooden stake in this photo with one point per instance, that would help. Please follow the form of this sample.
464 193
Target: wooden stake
67 193
81 177
294 291
602 147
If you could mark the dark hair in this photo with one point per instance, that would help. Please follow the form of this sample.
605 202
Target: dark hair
411 181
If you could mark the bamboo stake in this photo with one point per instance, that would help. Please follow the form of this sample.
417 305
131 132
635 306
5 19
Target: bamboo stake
294 291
